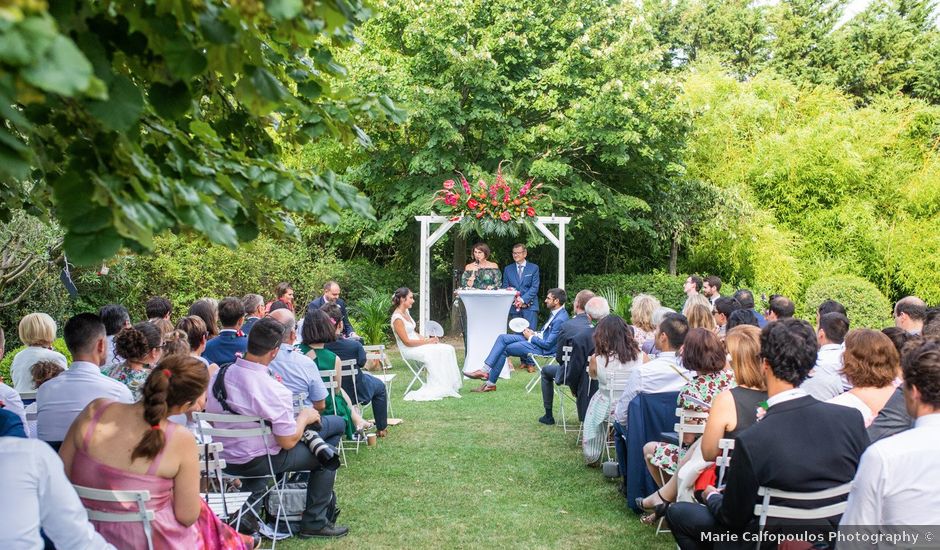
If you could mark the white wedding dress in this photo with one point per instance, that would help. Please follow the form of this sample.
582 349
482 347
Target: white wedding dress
440 361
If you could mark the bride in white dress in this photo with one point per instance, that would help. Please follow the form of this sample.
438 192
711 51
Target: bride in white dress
440 360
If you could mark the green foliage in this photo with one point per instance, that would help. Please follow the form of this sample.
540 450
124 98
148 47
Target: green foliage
666 288
58 344
371 312
123 120
866 306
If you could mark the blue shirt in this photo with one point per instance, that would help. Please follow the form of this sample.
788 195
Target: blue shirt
299 374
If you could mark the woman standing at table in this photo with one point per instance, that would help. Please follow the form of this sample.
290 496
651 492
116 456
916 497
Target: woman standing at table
481 273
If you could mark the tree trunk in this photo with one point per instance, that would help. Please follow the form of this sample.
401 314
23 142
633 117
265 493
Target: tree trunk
673 255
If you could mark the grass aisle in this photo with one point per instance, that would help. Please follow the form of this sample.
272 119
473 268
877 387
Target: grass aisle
480 472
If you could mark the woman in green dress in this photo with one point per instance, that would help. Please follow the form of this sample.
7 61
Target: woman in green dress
317 331
481 273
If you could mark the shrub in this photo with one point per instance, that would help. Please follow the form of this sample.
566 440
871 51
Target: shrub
372 318
665 287
58 345
866 306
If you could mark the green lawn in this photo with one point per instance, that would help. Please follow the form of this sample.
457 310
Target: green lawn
479 471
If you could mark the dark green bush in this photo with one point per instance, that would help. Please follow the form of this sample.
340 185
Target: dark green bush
865 304
665 287
58 345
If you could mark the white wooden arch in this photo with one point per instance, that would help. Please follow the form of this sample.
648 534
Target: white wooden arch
444 223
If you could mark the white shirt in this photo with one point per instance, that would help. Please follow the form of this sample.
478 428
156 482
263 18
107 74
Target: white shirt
13 403
37 494
62 398
25 359
545 326
784 396
823 385
299 374
829 360
661 375
897 479
113 358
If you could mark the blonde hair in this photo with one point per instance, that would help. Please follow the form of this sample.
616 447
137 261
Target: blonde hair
37 329
641 311
694 300
743 344
700 316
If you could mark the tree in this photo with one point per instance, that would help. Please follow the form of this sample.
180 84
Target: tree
122 120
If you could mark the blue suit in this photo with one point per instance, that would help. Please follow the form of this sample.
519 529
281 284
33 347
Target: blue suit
222 349
517 346
528 288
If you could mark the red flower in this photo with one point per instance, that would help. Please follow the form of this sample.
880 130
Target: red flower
449 184
472 203
450 199
479 215
530 212
505 216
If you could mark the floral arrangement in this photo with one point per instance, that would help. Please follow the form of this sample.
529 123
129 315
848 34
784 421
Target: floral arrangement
489 206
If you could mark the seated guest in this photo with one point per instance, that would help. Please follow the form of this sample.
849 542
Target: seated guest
724 307
296 371
827 380
367 388
44 371
481 273
649 347
331 292
829 306
780 307
893 418
616 353
248 388
317 332
163 325
37 495
141 346
700 316
158 307
13 421
871 364
799 445
12 424
731 412
115 318
197 336
176 343
104 449
641 317
577 333
544 342
254 310
909 314
898 336
695 299
231 342
207 309
746 298
61 399
665 373
702 353
896 482
283 298
37 332
439 360
742 317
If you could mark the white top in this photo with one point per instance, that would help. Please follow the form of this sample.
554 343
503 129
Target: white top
613 369
823 385
897 479
299 374
661 375
829 360
13 403
849 399
113 358
63 397
37 494
25 359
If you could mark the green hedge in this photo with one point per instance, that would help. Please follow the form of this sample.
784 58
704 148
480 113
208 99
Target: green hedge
667 288
866 306
58 345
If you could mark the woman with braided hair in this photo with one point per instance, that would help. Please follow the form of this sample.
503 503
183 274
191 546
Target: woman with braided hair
116 446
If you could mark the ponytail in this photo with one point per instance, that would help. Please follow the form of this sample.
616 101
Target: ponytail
175 381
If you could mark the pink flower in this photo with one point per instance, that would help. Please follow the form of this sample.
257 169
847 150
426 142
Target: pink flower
466 185
449 184
482 184
525 188
472 204
530 212
479 215
504 216
450 199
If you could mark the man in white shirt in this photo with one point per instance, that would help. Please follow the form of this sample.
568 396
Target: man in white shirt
826 379
897 480
665 373
909 314
38 495
60 399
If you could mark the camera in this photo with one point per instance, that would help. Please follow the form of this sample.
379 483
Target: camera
324 452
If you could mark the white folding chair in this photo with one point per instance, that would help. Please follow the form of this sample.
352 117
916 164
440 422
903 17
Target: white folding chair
562 396
724 460
299 401
332 388
223 504
142 514
690 422
377 353
540 361
349 369
208 425
616 384
766 510
28 397
416 372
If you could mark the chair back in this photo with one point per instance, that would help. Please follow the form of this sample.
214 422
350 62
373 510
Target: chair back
142 514
299 399
350 369
723 461
377 353
766 510
690 422
215 422
648 416
616 384
28 397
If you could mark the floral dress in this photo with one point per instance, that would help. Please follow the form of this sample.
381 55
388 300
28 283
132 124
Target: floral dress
487 278
133 379
702 388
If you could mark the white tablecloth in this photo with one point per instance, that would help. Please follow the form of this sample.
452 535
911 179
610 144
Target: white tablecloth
487 313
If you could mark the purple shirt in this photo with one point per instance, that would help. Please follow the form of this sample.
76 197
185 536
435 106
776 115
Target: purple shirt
253 392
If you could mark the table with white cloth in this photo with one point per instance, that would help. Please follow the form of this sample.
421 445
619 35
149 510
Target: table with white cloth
487 314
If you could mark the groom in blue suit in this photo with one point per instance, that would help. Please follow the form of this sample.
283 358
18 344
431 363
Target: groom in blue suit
543 342
524 277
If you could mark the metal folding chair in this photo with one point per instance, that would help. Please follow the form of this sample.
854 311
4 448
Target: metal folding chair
223 504
377 353
142 514
416 372
723 461
540 361
615 386
766 510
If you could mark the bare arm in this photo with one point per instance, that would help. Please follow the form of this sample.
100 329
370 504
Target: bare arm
592 366
186 498
721 418
399 326
306 417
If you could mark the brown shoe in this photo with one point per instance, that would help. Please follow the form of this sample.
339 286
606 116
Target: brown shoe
484 388
530 368
478 374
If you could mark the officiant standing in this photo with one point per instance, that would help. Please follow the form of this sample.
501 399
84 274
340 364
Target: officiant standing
524 277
